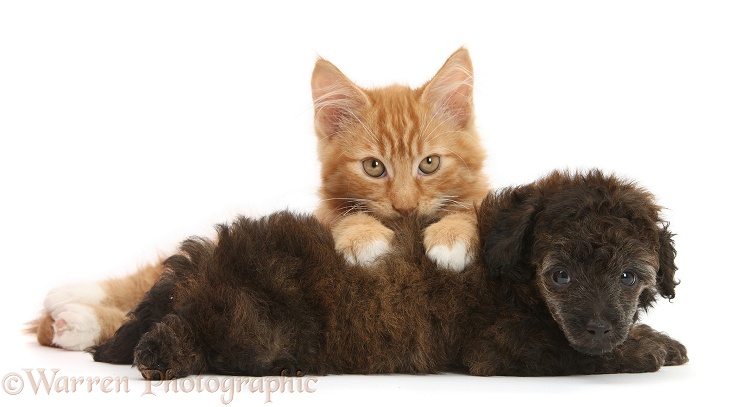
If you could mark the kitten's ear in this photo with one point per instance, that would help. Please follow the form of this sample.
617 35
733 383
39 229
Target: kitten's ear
336 99
450 92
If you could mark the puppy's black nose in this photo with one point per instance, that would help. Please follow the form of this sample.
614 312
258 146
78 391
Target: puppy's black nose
598 327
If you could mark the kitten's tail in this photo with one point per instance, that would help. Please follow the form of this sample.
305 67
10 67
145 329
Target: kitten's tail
42 328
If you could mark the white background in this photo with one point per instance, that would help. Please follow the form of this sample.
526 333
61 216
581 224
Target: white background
125 127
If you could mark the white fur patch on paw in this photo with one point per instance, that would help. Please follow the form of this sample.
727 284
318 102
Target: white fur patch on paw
368 253
454 258
76 327
87 293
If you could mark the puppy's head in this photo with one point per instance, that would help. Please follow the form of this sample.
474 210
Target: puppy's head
593 245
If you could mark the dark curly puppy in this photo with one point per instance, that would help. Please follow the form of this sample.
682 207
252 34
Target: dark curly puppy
568 264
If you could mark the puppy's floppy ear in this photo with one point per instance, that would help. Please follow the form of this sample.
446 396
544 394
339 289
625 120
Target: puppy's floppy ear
507 245
665 277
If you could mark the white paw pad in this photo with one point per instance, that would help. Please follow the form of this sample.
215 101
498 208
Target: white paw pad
368 253
455 257
87 293
76 327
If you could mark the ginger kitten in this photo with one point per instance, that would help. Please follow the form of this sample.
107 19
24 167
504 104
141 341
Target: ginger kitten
391 151
384 153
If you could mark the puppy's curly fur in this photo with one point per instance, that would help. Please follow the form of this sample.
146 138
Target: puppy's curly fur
567 265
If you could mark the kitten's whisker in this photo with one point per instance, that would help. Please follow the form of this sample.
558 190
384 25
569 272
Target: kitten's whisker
345 213
460 204
371 134
337 213
429 135
357 207
461 159
445 201
351 205
427 124
346 199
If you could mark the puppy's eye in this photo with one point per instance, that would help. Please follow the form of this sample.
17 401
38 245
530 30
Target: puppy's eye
560 277
429 165
373 167
628 278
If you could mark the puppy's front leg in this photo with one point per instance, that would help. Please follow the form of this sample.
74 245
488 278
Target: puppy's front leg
169 351
645 350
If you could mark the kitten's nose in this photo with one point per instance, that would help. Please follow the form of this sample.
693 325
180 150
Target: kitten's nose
404 197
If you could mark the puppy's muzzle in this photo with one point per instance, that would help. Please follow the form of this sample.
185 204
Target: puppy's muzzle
598 328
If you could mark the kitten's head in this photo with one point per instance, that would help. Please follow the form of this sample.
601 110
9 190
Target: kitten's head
395 150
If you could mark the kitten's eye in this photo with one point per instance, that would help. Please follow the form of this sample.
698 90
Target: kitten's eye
628 278
429 164
373 167
560 277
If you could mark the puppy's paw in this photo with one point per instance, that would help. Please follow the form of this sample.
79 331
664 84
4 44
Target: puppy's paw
677 354
75 326
361 239
153 355
284 366
452 242
85 293
168 351
646 350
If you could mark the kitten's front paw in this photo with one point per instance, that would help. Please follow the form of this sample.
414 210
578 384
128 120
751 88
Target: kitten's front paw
86 293
452 242
455 257
75 326
362 239
363 252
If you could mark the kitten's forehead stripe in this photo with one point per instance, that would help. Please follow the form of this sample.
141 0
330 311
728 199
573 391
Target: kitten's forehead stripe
397 121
